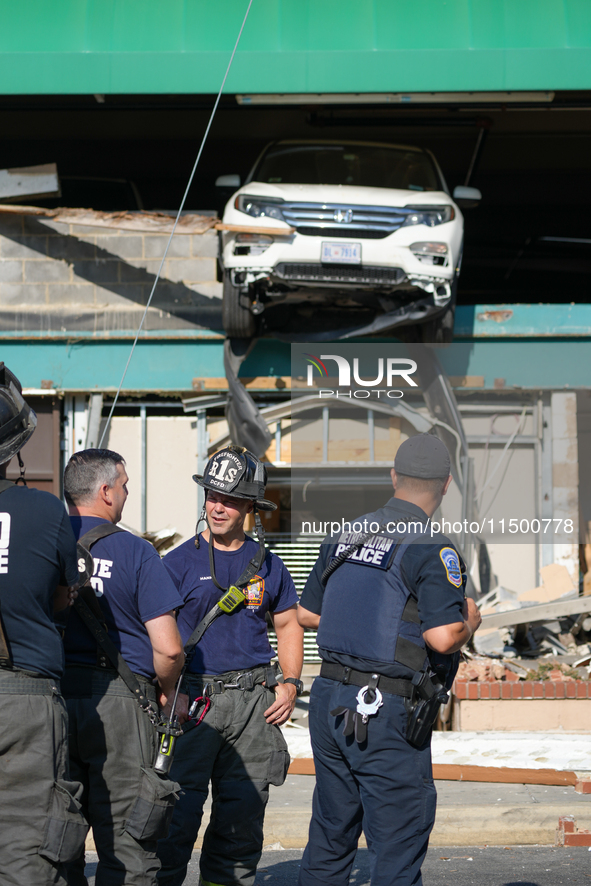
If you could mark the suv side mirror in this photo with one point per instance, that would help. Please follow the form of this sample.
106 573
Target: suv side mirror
230 181
467 197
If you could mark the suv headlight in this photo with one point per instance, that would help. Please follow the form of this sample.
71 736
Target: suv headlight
429 215
259 207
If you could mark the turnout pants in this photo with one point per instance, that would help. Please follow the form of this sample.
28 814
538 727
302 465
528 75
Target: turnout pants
111 740
241 755
34 786
383 786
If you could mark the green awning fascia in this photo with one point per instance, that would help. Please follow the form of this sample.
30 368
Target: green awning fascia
407 70
183 46
165 365
170 367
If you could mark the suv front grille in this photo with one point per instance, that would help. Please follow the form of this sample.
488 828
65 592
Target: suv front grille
345 231
339 273
344 220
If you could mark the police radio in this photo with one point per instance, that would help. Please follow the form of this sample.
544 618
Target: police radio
165 753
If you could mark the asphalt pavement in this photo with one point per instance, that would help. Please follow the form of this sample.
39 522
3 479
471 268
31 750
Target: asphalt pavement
444 866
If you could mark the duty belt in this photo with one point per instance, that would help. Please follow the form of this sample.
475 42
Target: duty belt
346 675
243 681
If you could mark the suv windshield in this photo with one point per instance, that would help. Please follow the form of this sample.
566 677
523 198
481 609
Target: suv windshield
367 166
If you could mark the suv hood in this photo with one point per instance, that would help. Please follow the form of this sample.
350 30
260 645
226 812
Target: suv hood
348 194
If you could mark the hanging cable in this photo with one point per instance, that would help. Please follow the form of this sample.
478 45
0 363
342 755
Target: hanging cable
174 227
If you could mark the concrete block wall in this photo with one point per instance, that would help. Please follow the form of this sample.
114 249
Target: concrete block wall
55 276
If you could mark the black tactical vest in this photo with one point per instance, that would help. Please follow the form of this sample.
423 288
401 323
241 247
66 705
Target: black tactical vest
367 610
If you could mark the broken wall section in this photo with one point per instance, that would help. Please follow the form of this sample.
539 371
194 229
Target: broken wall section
57 277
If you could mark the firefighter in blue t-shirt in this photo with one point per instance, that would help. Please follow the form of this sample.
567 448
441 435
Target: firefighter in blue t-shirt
237 746
112 741
387 657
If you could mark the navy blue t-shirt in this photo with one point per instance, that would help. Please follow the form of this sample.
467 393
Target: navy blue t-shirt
431 568
37 553
132 587
239 640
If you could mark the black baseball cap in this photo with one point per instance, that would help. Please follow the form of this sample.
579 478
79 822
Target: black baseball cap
423 456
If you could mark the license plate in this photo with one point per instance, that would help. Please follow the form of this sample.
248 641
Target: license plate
341 253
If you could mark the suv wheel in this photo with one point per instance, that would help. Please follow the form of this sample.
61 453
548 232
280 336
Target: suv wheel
237 320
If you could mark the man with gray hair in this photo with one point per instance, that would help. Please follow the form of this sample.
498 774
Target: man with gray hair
113 741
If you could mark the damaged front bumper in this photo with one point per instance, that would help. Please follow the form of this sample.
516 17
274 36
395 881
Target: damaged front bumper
294 276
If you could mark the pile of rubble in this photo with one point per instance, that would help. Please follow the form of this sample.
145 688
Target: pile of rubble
546 621
485 670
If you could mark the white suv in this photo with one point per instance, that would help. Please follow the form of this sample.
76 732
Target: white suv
361 234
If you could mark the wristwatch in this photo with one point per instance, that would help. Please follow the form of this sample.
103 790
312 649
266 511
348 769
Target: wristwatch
297 683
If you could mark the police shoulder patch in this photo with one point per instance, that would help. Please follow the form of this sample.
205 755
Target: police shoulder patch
451 561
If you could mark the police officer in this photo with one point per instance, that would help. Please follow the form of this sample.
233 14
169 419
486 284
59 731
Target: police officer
238 745
112 741
37 564
390 611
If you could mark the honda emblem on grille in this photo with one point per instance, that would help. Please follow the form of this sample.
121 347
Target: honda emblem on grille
343 216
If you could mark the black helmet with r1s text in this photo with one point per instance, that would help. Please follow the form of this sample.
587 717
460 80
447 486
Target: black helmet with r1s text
238 473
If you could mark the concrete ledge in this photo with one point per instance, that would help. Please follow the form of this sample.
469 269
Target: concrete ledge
507 825
454 826
468 814
523 715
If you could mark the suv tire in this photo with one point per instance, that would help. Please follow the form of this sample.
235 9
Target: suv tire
237 320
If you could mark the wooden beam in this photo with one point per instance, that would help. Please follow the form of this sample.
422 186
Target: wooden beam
458 772
286 382
502 774
150 222
258 383
466 381
302 766
255 229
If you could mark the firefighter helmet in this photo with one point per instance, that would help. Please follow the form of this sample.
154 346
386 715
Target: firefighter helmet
238 473
17 419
